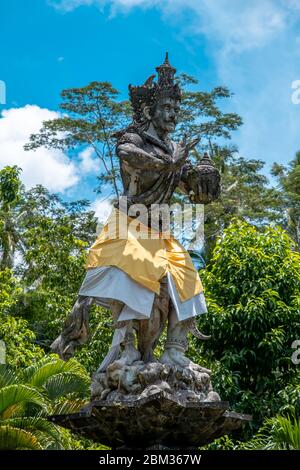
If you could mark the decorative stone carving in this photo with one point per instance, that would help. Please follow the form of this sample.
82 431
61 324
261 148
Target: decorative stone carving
140 380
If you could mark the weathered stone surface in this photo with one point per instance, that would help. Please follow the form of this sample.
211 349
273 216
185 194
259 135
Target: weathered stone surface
127 383
158 420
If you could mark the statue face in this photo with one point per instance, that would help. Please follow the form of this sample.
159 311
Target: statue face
165 114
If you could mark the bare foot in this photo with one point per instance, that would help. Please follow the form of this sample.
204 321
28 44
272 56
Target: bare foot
129 355
175 357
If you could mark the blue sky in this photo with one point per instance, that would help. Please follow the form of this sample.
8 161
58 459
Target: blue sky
252 47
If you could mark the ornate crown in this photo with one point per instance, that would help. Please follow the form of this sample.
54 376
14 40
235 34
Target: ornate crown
148 93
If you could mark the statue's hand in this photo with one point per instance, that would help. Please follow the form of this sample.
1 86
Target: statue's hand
182 152
192 143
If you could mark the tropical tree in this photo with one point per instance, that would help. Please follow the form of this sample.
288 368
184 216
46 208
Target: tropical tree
252 287
246 194
9 291
35 299
91 116
21 349
289 183
10 186
50 386
54 236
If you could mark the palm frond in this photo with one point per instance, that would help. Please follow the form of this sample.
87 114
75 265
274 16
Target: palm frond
68 406
7 376
286 432
47 433
38 374
278 433
15 439
14 397
63 384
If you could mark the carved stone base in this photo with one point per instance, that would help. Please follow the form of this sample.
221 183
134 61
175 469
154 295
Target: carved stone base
153 406
123 383
157 421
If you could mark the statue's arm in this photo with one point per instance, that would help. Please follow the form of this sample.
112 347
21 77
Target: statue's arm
138 158
129 150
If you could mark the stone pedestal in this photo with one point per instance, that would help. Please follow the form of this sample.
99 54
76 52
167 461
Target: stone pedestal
153 406
158 421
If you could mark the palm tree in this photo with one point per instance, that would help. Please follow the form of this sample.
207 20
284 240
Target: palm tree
50 386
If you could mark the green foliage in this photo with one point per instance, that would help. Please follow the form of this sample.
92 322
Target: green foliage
223 443
290 397
19 342
48 387
14 331
246 193
278 433
9 291
252 288
92 354
10 186
58 378
55 235
17 439
289 184
92 115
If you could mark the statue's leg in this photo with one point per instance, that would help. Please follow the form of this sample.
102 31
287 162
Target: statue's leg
150 330
76 328
177 343
123 351
129 352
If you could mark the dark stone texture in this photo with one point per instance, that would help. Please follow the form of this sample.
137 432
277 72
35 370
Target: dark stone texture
157 421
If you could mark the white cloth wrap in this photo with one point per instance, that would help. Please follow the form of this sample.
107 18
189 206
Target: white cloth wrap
107 283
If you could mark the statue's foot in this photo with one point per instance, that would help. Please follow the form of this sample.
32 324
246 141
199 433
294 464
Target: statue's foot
176 357
148 356
129 355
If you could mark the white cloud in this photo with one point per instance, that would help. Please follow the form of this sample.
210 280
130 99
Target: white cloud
70 5
51 168
255 48
102 210
239 24
88 164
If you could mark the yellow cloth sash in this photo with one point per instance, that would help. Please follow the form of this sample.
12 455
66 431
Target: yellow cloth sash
145 255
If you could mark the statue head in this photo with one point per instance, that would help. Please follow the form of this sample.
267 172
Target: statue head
157 102
163 114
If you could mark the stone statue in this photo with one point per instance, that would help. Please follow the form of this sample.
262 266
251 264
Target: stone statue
148 283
